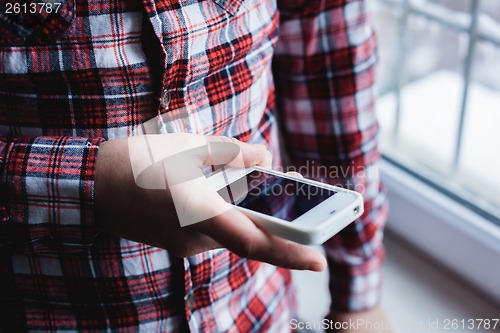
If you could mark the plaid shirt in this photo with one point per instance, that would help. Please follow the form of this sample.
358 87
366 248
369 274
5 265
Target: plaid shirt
96 70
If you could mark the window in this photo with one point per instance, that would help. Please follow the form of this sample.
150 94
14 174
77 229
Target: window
439 112
440 94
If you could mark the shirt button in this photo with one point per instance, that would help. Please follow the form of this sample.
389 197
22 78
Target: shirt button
165 99
190 301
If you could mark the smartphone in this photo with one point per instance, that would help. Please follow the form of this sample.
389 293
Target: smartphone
298 209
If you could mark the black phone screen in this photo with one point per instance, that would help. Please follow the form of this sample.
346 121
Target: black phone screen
280 197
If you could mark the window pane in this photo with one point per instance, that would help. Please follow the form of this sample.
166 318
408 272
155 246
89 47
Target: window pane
431 95
479 164
431 98
491 8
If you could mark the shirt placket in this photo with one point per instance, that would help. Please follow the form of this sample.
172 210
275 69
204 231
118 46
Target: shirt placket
171 95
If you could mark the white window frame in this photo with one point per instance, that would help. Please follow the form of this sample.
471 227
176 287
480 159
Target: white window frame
453 235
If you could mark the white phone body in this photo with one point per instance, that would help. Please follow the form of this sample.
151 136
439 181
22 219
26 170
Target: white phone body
314 226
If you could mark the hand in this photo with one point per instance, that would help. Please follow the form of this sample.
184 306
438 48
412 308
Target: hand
374 320
149 216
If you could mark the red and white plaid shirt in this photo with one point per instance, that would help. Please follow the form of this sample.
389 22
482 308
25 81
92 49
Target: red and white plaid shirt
96 70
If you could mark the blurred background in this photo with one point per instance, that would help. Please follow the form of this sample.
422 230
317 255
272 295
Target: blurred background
439 112
439 81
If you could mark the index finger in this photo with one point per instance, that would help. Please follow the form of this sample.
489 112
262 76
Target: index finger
238 233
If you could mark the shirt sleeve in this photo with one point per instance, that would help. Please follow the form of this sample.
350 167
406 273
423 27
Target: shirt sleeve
47 193
324 72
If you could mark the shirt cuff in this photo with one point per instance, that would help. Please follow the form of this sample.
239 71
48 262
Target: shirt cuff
48 185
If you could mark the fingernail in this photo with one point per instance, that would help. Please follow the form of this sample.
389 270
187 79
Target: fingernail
318 266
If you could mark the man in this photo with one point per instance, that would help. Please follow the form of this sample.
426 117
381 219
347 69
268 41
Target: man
84 248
